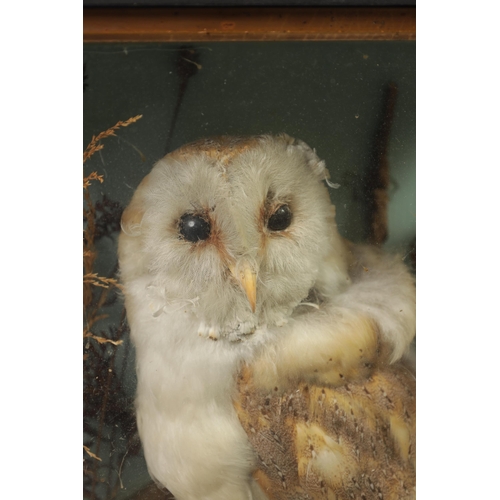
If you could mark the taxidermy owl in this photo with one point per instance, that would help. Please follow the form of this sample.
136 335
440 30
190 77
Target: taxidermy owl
268 348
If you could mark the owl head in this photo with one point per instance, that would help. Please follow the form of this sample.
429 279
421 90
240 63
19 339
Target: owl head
235 231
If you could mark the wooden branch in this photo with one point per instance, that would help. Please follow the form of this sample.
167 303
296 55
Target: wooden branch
209 24
378 178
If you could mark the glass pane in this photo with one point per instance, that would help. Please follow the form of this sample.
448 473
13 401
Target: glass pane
354 102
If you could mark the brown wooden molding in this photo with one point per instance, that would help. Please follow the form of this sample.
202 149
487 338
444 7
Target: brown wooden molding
169 24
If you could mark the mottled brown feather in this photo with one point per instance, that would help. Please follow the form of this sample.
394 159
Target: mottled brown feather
356 441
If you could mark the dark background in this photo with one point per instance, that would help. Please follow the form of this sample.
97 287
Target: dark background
330 94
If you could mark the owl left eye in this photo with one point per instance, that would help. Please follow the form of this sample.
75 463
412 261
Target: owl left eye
194 227
280 219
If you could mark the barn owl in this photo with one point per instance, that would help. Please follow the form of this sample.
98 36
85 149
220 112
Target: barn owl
230 258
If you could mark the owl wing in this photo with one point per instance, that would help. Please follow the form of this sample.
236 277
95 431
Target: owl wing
356 441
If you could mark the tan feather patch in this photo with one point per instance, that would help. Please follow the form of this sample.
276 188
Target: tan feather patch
221 149
355 441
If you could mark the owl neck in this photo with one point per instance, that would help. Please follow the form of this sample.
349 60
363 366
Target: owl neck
183 370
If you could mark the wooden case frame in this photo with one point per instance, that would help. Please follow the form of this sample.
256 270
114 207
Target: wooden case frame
195 24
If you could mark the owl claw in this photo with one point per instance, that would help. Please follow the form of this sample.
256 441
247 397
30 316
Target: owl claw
245 328
208 332
213 333
203 330
236 333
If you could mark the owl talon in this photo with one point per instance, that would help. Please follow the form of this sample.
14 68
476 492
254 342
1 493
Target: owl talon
246 328
202 330
213 334
235 334
208 332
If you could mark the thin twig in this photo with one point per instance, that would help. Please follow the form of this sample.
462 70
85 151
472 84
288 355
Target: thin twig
120 469
102 340
93 455
94 176
94 146
101 425
101 281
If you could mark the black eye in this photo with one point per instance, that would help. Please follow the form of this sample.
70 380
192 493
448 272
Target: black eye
281 219
194 227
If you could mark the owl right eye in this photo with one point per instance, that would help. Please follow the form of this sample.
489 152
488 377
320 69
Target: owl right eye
281 219
193 227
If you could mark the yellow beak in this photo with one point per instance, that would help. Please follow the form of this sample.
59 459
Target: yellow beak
248 281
